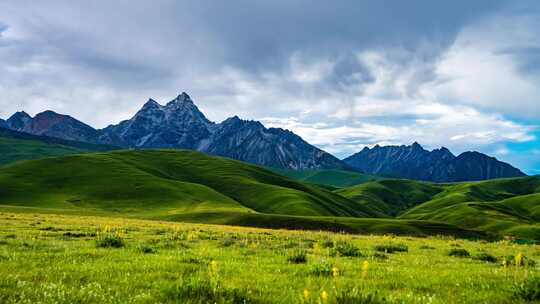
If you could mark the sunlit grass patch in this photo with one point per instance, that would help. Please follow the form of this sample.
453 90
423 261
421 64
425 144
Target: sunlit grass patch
356 296
519 260
254 267
198 290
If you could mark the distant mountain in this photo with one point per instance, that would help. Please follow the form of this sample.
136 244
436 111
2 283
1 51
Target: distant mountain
180 124
3 123
439 165
8 133
250 141
19 121
52 124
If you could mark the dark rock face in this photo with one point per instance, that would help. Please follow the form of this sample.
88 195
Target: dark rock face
250 141
3 123
478 166
180 124
439 165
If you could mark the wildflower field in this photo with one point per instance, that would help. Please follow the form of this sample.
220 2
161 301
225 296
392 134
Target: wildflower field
75 259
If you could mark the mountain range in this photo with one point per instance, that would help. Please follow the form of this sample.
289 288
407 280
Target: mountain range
180 124
439 165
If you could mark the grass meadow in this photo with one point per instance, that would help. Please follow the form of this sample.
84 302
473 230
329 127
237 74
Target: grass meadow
46 258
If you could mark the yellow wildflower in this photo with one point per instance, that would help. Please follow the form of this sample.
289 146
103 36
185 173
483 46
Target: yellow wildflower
214 267
518 259
335 271
306 295
365 267
324 296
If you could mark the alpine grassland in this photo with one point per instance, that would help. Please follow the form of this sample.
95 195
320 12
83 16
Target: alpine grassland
178 226
83 259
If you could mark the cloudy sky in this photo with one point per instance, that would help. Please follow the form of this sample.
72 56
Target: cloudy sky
342 74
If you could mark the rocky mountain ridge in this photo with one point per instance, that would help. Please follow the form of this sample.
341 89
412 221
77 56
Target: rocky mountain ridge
180 124
439 165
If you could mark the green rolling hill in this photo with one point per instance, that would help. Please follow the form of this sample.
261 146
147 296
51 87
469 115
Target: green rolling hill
328 177
181 185
146 182
504 206
392 196
16 146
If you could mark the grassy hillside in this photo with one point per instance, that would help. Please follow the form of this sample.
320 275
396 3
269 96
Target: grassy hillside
12 150
391 197
191 187
15 146
504 206
484 191
161 182
332 178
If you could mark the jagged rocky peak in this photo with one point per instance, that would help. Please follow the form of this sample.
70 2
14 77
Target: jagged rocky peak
235 120
177 102
443 152
180 124
18 121
151 103
21 115
416 146
182 98
231 120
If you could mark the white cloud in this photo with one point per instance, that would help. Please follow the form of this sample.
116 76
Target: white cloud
397 107
484 67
